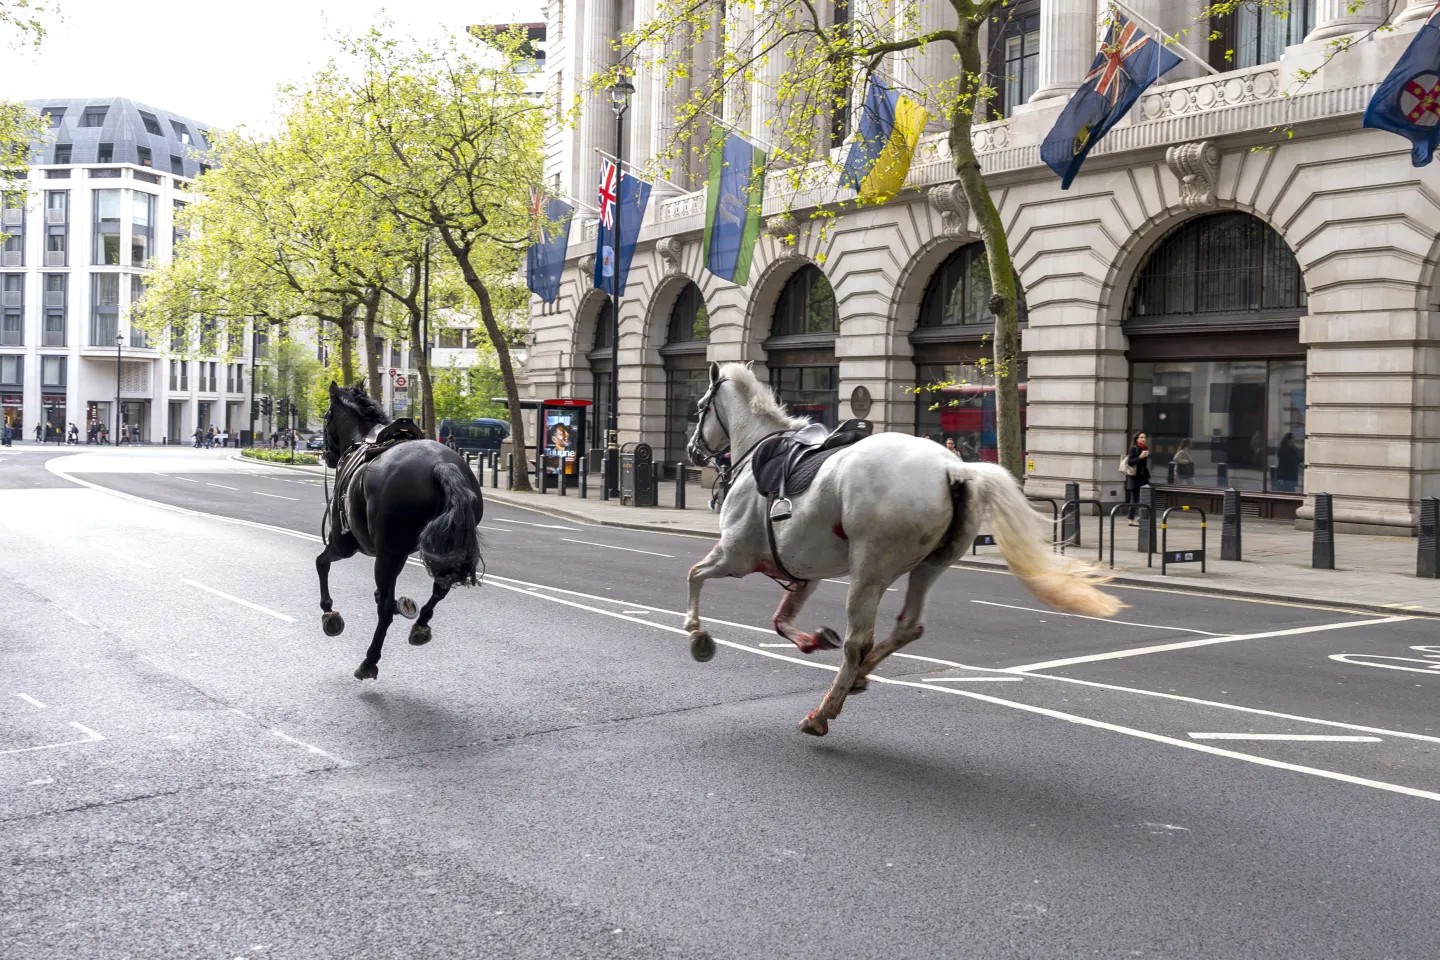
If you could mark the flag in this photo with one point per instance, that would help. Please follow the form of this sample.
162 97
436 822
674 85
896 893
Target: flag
1407 101
890 128
549 241
1128 62
622 201
732 205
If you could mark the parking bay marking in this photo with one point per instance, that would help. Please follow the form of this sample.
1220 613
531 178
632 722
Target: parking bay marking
1299 737
272 496
544 526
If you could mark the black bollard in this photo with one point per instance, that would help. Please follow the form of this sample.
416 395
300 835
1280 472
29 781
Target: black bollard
584 469
540 473
509 471
1322 551
495 470
680 485
562 479
1427 563
1230 526
657 474
1222 474
1070 515
1145 543
1170 473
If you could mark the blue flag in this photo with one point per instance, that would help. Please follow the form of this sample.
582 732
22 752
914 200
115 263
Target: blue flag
549 240
1128 62
622 208
1407 101
877 123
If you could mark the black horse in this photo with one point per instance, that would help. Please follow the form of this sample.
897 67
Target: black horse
394 496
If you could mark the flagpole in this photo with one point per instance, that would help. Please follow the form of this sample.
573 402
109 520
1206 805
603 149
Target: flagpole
636 171
750 136
1190 55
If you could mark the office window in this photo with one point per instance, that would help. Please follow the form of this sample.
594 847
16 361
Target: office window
53 116
138 337
107 227
55 289
12 290
105 153
57 174
12 371
179 375
94 116
105 309
840 112
450 339
142 228
177 166
62 153
12 253
57 206
151 124
143 154
53 334
52 371
56 247
182 132
12 328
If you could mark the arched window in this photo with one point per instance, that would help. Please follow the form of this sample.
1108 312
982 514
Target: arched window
1219 265
959 291
689 320
605 325
806 305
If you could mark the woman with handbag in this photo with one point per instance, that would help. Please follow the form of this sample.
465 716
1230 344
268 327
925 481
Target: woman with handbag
1137 471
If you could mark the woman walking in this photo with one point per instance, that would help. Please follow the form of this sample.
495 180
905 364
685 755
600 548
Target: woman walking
1137 471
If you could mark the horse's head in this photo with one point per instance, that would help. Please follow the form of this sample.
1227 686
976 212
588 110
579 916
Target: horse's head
349 418
711 437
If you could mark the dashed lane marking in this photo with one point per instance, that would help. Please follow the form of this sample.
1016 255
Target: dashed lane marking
90 737
545 526
338 761
975 679
607 546
244 603
1299 737
220 485
272 496
186 479
31 700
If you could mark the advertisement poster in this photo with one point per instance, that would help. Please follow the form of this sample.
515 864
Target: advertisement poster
560 440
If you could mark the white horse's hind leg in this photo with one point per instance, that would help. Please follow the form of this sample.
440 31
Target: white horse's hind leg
908 627
860 607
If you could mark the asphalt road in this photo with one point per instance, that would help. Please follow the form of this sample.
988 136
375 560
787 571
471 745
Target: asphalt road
187 768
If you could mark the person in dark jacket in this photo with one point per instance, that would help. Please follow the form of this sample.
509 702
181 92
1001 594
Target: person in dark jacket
1139 458
1288 459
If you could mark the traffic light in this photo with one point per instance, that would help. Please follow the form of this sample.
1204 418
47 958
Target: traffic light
285 408
265 406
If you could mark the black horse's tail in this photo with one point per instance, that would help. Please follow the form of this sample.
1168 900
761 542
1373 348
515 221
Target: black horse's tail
450 544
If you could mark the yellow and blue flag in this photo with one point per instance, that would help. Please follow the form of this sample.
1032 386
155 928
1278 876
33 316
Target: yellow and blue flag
1128 62
890 128
1407 101
735 194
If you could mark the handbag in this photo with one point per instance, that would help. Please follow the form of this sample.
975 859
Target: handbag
1126 467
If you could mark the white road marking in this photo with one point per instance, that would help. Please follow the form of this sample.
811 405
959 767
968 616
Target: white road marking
1304 737
846 583
1079 616
273 496
243 603
220 485
87 731
78 619
186 479
634 611
31 700
1187 644
967 679
546 526
90 737
124 556
1429 664
650 553
780 645
496 529
312 748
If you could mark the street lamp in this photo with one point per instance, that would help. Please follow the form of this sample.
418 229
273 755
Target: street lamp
119 342
620 95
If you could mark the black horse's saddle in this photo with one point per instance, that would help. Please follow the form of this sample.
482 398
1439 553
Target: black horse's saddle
786 464
381 437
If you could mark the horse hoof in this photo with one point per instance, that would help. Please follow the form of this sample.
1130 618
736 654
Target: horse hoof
827 639
702 646
860 685
407 609
332 623
813 725
367 671
419 635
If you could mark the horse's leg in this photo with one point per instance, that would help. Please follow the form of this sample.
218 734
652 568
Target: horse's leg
332 623
908 627
420 630
715 564
790 605
387 571
866 589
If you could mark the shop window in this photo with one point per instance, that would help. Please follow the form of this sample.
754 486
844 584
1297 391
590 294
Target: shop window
689 318
812 392
806 305
955 402
604 327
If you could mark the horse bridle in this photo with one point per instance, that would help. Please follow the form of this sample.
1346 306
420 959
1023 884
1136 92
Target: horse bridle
707 402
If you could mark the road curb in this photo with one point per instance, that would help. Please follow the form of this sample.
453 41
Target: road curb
307 467
560 514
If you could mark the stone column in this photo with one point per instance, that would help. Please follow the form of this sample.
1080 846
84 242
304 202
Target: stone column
597 121
930 72
1416 10
764 95
667 93
1067 46
644 115
1334 19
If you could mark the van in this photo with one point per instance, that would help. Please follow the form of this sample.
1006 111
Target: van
475 436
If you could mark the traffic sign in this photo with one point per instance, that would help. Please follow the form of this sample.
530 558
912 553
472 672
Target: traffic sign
393 371
400 382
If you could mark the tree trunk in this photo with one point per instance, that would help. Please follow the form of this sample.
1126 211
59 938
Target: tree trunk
347 348
1004 301
502 355
371 305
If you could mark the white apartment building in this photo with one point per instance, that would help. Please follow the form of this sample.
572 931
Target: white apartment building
98 213
1239 264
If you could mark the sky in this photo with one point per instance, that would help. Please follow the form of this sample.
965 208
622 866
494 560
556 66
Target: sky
216 63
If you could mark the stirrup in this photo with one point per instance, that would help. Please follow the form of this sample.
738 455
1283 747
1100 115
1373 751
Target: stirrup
780 510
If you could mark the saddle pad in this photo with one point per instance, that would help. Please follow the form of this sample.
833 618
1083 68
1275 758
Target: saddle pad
769 470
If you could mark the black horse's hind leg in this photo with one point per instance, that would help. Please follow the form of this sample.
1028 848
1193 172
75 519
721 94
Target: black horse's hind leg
420 632
387 571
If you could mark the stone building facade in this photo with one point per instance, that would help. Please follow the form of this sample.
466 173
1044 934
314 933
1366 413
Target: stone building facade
1240 269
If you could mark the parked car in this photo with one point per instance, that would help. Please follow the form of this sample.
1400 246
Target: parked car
316 442
474 436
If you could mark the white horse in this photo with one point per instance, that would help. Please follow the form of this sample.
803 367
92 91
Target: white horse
886 506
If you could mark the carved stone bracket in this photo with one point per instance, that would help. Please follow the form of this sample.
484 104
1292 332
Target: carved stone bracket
949 199
1197 165
671 249
783 228
587 264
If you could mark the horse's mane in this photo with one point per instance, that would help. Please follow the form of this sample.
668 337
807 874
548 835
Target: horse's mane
761 397
354 398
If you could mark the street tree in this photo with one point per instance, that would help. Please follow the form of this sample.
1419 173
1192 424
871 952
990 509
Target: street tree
445 141
815 65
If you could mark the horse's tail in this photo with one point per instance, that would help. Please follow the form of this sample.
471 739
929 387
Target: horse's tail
450 543
1063 584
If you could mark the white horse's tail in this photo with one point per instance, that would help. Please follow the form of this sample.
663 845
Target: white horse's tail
1063 584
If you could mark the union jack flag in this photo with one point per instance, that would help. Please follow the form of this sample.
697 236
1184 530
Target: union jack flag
1109 69
609 192
537 214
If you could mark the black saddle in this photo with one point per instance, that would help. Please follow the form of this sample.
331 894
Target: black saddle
380 438
786 464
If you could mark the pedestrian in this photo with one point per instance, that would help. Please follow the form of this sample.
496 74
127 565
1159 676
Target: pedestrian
1136 467
1184 461
950 445
5 434
1287 464
74 439
92 432
104 435
39 432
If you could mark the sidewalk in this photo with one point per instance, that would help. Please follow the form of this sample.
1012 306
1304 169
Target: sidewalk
1373 573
